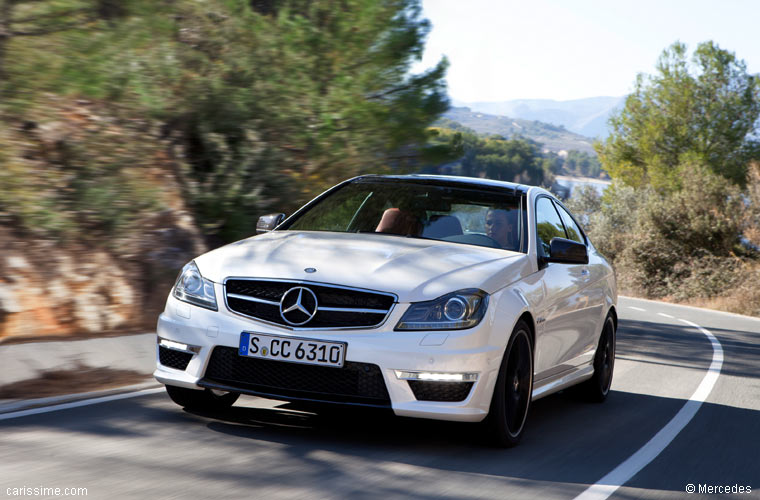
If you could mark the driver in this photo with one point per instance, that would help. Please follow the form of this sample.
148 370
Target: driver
500 227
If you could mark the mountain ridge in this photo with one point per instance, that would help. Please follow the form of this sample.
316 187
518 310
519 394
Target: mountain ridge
553 137
587 116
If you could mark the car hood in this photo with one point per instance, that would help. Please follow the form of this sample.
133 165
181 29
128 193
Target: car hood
414 269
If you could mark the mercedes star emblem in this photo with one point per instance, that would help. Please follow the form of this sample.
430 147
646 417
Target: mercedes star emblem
298 306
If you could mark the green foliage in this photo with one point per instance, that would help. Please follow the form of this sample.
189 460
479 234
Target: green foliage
38 28
228 184
669 244
324 90
679 154
582 163
702 218
69 181
265 103
698 113
585 203
552 165
611 218
514 160
752 212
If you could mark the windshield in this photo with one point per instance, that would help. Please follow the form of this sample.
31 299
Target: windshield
484 217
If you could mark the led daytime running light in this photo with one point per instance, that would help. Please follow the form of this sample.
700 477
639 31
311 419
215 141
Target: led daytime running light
436 376
178 346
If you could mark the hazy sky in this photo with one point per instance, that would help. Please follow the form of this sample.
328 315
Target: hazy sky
554 49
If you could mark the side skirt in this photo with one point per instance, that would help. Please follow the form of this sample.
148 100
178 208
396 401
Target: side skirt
562 381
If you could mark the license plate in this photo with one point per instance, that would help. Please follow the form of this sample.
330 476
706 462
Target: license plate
292 349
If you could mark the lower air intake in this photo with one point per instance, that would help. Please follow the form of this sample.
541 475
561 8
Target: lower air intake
173 359
440 391
355 383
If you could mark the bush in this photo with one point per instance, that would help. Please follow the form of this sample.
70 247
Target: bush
608 219
82 174
682 243
585 203
678 245
709 276
752 212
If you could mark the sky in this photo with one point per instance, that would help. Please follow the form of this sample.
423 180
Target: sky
502 50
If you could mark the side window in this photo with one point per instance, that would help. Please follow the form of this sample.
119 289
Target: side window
548 225
573 231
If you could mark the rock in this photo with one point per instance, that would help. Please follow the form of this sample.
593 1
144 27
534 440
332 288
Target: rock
81 291
8 302
17 262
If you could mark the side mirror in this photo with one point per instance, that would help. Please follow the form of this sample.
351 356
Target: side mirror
268 222
566 251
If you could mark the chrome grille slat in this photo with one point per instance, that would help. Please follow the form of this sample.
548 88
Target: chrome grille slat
349 309
338 307
252 299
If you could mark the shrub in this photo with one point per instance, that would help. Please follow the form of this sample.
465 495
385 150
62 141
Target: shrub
682 242
609 219
678 245
83 174
752 210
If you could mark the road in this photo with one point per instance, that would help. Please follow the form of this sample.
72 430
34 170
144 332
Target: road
146 447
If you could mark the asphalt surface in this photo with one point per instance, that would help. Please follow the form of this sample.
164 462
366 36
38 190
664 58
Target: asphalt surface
29 360
147 447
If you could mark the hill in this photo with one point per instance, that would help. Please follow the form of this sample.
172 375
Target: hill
587 117
552 137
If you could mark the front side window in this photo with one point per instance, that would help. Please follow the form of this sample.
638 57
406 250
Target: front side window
548 225
488 217
573 231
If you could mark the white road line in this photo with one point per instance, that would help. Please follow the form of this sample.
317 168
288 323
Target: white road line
607 485
637 309
665 315
76 404
693 308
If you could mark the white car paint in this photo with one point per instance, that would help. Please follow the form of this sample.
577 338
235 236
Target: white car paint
415 270
565 304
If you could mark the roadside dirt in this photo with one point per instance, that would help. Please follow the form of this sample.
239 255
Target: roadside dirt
66 338
81 379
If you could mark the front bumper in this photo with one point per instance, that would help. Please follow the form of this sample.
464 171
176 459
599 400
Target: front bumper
476 352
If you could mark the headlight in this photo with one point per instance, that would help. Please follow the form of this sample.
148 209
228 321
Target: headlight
193 288
454 311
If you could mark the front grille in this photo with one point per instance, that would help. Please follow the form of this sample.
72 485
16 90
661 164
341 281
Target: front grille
337 307
358 383
172 358
440 391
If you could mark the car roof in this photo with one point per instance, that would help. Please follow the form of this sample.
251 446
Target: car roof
452 180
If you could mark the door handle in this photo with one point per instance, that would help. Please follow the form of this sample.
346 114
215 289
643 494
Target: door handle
584 272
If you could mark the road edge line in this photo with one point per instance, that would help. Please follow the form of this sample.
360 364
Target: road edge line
696 308
79 403
621 474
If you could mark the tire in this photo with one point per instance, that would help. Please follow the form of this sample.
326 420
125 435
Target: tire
201 400
513 391
597 387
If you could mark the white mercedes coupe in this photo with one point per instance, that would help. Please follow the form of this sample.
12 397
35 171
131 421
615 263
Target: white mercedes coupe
437 297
